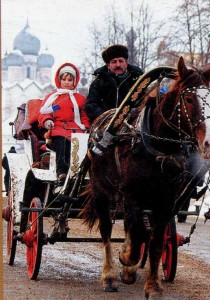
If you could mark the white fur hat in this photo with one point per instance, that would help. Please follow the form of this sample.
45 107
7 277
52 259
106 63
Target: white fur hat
67 69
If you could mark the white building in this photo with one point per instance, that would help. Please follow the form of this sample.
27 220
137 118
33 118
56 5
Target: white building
26 74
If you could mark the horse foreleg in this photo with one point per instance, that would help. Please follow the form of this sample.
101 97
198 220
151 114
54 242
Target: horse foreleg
153 288
109 275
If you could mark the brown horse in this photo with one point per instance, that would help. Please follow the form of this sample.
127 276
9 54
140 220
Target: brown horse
157 156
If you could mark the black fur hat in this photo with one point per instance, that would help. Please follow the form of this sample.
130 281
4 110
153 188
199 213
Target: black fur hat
114 51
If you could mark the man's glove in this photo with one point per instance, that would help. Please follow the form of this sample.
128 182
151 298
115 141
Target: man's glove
49 124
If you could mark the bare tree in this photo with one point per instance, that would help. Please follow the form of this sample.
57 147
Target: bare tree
134 29
148 42
131 37
202 14
190 29
148 36
114 31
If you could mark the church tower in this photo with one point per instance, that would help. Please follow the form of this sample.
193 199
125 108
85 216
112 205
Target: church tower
26 74
25 62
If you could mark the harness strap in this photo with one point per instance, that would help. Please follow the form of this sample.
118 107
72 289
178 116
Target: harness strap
116 155
89 154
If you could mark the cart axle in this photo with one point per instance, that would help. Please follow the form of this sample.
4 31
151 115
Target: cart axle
83 240
190 213
27 239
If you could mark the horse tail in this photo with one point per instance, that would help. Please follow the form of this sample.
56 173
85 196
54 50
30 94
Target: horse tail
88 212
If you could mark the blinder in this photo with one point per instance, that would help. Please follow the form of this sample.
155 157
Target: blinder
205 113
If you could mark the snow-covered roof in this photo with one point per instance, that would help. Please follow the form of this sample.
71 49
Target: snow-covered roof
25 84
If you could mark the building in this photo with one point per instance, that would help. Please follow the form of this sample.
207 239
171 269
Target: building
169 57
26 74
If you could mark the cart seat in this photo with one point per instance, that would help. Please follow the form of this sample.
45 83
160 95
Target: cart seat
26 122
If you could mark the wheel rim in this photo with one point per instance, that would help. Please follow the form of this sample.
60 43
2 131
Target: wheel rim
169 254
34 237
11 243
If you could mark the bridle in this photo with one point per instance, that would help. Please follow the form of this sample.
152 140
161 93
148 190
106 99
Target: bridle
193 90
182 100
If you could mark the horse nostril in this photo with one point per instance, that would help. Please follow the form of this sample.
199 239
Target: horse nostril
206 144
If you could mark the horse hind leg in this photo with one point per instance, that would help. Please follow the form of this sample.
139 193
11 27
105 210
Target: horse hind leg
132 249
153 289
129 274
129 258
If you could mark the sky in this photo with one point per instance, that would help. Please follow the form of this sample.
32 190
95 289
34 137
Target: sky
62 26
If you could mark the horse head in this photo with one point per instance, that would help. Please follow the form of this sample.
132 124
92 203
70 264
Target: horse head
189 115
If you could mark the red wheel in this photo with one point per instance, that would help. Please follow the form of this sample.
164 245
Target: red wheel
143 255
11 242
169 255
34 240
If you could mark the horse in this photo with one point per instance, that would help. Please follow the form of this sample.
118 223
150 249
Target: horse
158 154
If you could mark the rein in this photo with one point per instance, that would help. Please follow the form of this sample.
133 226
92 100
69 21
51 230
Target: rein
178 128
143 132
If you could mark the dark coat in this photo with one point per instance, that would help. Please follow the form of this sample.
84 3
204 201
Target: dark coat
107 91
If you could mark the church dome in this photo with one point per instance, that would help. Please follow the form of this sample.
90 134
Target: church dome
26 42
45 60
14 58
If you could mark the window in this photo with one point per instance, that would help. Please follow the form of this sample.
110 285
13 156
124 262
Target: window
28 72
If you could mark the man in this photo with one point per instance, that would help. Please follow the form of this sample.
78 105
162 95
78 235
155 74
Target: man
5 165
112 83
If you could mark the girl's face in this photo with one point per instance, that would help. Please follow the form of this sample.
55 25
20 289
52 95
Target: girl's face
67 81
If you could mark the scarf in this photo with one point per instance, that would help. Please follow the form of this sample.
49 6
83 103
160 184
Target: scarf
47 107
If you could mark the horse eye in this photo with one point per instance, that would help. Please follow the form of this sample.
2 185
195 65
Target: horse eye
189 99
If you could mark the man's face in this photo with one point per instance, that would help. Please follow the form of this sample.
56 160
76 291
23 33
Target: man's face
118 65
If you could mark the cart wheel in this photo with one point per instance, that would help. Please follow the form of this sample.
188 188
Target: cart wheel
169 255
143 254
11 242
35 240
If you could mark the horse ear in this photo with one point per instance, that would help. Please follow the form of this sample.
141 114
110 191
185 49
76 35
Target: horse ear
182 69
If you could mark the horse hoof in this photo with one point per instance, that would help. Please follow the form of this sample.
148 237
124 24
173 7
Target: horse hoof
153 297
128 278
109 287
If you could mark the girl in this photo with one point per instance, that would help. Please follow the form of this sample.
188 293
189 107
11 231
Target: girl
61 113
